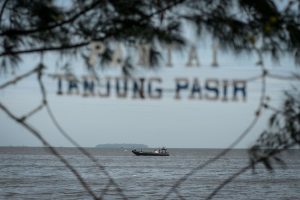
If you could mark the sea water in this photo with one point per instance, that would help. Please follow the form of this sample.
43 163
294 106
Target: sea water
33 173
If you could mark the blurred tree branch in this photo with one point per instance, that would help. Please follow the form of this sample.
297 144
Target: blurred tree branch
44 103
18 78
45 49
272 154
282 135
36 133
240 26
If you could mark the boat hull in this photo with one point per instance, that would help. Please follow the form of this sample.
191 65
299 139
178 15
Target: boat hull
140 153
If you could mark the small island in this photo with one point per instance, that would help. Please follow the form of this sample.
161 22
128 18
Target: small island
124 146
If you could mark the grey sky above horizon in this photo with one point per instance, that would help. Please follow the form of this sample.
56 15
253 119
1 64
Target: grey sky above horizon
166 122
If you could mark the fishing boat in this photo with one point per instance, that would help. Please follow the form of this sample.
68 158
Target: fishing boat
158 152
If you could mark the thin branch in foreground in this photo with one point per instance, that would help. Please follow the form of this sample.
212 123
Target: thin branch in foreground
39 71
18 78
41 67
272 108
168 7
84 152
51 149
104 191
244 169
44 49
34 111
225 151
69 138
228 180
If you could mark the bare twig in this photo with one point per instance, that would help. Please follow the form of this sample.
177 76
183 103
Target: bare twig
228 180
34 111
83 151
70 139
224 152
44 49
238 140
39 71
272 108
70 46
104 191
41 67
273 152
244 169
18 78
168 7
51 149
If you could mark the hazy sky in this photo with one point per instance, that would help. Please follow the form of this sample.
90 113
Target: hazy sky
166 122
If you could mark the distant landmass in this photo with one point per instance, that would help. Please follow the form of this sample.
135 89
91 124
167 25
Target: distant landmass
125 146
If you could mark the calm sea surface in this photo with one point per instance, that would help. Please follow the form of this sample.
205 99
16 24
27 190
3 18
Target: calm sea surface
32 173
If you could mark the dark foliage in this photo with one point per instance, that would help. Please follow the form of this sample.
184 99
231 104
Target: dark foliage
68 27
65 26
283 133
